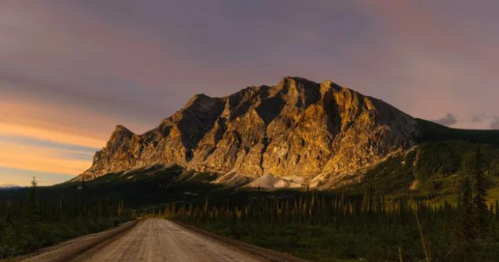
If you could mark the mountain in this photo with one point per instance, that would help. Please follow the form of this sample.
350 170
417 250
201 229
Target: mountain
297 132
9 186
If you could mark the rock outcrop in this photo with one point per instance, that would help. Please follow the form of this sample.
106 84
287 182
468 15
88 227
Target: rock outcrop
297 130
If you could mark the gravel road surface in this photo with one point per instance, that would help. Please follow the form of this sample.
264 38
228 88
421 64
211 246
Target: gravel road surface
155 240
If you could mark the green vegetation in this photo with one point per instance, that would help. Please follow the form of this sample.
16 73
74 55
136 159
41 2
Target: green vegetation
29 224
330 227
433 171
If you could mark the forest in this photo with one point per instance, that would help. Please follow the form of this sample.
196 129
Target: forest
326 227
27 224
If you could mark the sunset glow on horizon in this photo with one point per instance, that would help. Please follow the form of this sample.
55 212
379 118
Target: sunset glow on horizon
70 71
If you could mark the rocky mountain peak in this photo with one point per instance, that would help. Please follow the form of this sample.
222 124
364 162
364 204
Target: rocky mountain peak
120 135
297 130
121 130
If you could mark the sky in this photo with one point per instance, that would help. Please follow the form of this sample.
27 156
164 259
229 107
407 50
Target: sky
71 70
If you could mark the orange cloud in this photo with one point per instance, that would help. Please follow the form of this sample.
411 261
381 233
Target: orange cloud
21 117
28 113
39 136
40 159
49 135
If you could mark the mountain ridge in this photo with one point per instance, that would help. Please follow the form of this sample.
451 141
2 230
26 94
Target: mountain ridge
297 130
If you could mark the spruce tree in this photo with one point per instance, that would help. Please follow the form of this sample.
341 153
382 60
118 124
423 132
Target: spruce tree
81 196
497 209
480 202
32 211
466 211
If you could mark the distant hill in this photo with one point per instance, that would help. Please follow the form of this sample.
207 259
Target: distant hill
433 132
9 186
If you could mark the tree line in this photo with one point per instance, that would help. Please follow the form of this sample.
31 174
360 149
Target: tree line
28 224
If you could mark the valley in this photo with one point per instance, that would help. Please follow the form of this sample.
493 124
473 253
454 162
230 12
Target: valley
313 170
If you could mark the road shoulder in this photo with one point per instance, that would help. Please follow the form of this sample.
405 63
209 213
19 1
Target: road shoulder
73 248
259 253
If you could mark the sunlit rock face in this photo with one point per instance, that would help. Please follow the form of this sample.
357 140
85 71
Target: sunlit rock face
298 130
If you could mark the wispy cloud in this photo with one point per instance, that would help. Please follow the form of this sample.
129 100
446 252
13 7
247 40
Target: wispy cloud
447 120
35 158
495 123
23 140
479 118
50 135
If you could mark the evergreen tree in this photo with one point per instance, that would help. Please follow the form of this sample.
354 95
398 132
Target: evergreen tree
368 197
81 192
497 209
33 207
480 190
466 211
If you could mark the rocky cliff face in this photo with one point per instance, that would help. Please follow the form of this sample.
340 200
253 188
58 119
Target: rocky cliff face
297 130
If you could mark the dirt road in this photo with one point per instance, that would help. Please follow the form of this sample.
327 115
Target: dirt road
156 240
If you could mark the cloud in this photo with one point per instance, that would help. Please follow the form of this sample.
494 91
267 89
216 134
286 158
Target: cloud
478 118
42 159
50 135
495 123
447 120
45 143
